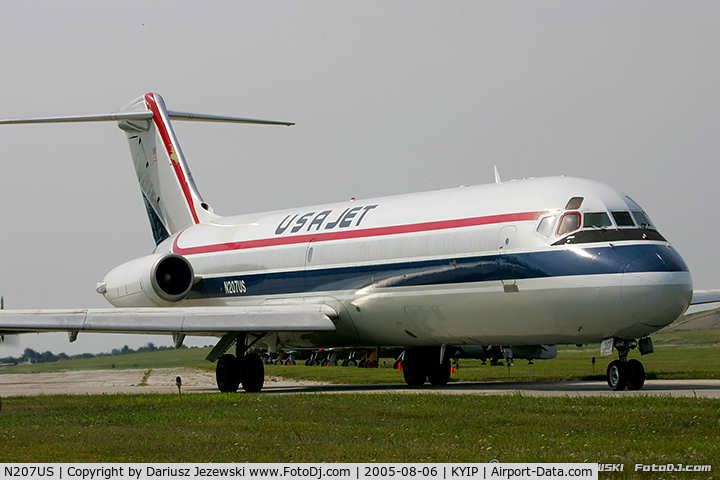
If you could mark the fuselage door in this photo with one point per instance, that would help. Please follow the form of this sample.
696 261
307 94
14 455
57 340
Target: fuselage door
505 265
310 253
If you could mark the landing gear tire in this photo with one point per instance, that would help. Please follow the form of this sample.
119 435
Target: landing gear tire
415 368
439 373
253 373
617 375
635 374
227 373
351 363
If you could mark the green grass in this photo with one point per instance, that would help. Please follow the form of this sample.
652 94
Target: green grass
687 337
359 428
146 376
669 362
158 359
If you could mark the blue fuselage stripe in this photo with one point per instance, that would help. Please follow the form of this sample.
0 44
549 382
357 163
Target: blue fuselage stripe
558 262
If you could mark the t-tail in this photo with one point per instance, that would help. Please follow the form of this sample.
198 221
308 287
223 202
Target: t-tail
171 198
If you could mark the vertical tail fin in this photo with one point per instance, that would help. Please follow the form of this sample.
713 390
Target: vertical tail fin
169 192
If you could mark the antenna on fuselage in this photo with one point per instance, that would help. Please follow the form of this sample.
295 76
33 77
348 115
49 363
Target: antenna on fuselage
497 174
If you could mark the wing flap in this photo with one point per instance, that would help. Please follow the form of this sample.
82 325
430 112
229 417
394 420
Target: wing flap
187 320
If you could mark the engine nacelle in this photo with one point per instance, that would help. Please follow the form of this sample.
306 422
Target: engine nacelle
157 280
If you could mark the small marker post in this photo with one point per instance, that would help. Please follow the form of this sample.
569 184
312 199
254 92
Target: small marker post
508 367
178 382
593 364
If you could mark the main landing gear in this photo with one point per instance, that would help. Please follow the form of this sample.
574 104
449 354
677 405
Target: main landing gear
624 373
426 364
243 368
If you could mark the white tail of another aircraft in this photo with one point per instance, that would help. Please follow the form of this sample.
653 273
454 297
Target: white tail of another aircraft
171 198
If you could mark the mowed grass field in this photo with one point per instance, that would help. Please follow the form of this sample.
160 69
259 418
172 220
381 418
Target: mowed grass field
186 357
360 428
678 355
380 427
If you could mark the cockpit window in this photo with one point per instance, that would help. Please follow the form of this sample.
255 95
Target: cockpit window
598 220
547 225
603 227
623 219
642 219
633 203
568 223
574 203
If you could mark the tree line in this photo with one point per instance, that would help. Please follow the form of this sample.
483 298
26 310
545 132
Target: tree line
31 356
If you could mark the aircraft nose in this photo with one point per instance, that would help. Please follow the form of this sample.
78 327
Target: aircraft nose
657 287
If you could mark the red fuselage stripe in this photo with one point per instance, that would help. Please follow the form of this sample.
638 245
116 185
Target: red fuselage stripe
171 151
361 233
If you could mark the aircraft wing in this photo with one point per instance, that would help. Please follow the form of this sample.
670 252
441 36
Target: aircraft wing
705 296
201 321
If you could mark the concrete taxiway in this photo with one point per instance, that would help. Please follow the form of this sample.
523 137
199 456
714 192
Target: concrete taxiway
159 380
162 380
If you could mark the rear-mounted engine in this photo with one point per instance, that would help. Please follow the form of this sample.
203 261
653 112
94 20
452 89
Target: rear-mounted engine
154 281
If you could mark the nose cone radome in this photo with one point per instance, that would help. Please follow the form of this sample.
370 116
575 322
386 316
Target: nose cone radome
656 290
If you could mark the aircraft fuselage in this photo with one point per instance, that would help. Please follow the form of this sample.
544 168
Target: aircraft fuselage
515 263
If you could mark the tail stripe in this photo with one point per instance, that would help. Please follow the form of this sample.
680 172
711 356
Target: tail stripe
169 146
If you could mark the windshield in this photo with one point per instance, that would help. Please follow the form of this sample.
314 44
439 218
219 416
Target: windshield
589 227
597 220
642 219
568 223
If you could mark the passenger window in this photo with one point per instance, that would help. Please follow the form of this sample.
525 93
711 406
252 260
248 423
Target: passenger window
642 219
574 203
568 223
623 219
547 225
600 219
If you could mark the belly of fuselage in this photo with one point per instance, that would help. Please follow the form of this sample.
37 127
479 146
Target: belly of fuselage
559 295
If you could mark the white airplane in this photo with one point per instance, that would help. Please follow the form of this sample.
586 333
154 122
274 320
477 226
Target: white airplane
535 262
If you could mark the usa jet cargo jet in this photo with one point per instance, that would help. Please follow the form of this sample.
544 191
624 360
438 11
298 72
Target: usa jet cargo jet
526 263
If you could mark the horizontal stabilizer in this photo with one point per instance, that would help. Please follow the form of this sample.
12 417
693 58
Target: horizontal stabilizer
201 321
199 117
111 117
121 116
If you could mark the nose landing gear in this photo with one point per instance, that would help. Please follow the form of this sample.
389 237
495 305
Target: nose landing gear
624 373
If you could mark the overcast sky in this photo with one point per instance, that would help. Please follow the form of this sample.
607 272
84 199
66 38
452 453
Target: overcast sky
389 97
